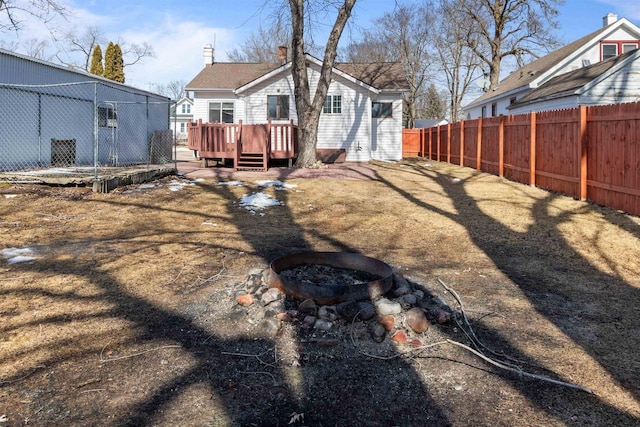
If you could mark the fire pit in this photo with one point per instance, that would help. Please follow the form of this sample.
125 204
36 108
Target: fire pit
338 276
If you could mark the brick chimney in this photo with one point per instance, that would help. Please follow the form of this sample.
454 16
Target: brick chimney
609 19
282 54
208 55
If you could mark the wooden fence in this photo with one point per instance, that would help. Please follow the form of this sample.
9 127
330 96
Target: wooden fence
591 153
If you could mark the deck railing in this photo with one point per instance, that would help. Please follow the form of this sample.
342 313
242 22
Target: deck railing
222 140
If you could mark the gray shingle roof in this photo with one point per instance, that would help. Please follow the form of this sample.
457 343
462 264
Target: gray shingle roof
572 81
528 73
232 75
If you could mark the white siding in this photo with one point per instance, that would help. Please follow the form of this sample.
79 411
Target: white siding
201 101
387 132
623 86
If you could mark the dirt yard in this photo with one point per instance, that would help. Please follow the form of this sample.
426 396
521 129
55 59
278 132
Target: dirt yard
124 310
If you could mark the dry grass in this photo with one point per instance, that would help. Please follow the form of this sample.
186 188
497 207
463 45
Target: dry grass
121 319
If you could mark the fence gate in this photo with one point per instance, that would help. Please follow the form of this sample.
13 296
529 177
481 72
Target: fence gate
107 118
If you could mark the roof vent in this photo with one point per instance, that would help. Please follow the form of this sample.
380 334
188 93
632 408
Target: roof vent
609 19
586 62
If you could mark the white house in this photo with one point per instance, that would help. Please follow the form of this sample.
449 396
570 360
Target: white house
612 81
57 116
362 113
616 37
181 116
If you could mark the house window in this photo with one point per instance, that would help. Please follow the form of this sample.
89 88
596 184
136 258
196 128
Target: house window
221 112
381 109
484 111
609 51
107 117
512 100
183 127
186 108
332 104
494 109
277 107
628 47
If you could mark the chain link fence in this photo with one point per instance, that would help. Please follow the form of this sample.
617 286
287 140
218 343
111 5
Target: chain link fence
56 129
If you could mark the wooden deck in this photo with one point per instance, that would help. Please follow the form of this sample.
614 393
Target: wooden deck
249 146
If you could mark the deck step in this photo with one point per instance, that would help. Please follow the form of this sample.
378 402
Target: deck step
251 161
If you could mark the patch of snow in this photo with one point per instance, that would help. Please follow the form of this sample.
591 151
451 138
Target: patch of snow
258 201
213 224
231 183
10 196
456 180
427 165
279 185
16 255
148 185
175 185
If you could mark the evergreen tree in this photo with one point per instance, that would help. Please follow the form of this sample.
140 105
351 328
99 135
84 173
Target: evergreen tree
118 65
96 62
109 62
435 105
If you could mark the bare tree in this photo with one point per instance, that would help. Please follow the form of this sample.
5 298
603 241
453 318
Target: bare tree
458 64
498 29
261 46
174 89
308 108
11 12
76 49
37 48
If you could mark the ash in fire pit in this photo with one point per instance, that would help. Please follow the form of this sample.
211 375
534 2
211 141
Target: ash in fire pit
324 275
331 277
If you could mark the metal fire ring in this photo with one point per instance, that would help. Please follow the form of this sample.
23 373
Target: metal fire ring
332 294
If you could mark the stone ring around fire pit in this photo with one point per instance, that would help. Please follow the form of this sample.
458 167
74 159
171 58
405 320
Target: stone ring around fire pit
377 275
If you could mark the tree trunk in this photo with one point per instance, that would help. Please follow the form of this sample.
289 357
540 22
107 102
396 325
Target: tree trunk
309 110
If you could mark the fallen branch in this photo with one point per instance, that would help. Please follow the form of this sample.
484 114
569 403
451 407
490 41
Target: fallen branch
102 360
520 371
23 377
256 356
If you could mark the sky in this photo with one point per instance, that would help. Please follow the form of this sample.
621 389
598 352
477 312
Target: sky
178 31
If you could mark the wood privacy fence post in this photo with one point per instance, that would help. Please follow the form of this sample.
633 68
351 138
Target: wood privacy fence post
430 154
438 143
448 142
582 129
501 147
479 146
532 150
421 153
462 143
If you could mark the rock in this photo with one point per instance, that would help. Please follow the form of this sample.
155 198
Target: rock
349 309
367 310
273 294
399 337
245 300
237 314
386 307
442 317
377 332
417 320
308 307
418 294
388 322
328 312
309 320
270 326
415 343
284 317
402 286
409 299
323 325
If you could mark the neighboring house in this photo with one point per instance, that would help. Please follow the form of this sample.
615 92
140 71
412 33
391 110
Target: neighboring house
612 81
362 113
427 123
616 37
53 115
181 116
